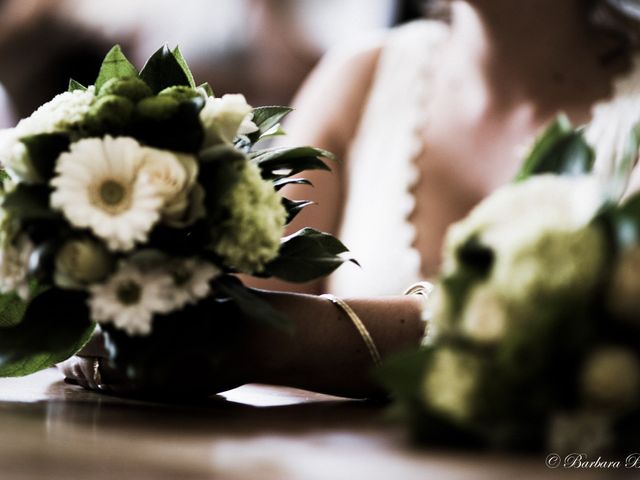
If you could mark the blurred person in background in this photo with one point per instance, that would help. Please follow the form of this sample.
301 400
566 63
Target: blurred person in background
431 118
40 49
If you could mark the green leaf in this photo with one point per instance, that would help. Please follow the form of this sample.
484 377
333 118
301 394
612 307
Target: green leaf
207 88
114 65
278 163
403 372
560 150
283 182
12 309
44 150
185 67
163 70
266 118
74 85
307 255
294 207
251 305
55 326
623 222
29 202
620 179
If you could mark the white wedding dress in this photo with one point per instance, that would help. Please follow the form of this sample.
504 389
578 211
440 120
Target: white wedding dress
381 170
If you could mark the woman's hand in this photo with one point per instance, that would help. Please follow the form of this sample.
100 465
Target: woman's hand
90 368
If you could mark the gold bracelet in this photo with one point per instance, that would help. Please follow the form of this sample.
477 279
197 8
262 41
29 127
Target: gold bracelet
424 289
362 330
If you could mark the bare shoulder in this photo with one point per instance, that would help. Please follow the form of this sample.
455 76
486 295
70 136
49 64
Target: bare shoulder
328 105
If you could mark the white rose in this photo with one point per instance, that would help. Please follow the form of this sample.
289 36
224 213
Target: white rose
540 236
173 175
226 117
62 114
611 377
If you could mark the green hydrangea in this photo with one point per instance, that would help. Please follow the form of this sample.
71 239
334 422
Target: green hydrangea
180 93
109 113
131 88
158 107
250 237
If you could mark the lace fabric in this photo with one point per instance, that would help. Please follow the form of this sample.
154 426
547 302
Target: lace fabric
376 225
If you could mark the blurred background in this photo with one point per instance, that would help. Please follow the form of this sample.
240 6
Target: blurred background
262 48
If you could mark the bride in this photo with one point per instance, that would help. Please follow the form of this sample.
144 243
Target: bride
427 120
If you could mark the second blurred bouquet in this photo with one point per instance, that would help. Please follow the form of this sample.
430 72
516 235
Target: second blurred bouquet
535 335
129 203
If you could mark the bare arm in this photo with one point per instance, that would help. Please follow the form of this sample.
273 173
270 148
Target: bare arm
324 353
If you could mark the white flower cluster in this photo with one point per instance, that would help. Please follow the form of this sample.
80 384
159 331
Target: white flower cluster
113 190
133 295
542 247
62 114
226 117
119 189
540 251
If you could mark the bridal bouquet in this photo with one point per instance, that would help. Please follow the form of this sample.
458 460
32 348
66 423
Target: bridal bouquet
535 325
131 203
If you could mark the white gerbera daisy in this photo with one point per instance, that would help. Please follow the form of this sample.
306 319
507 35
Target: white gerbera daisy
192 279
99 186
130 298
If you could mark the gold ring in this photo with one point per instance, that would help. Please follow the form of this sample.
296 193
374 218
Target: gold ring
97 378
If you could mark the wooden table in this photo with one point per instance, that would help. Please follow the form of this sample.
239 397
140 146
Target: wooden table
54 431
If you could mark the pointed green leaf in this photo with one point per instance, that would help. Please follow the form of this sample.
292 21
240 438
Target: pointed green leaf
307 255
619 181
266 118
44 150
12 309
114 65
207 89
251 305
185 67
29 202
294 207
402 373
286 162
623 222
283 182
74 85
561 150
276 131
163 70
56 325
